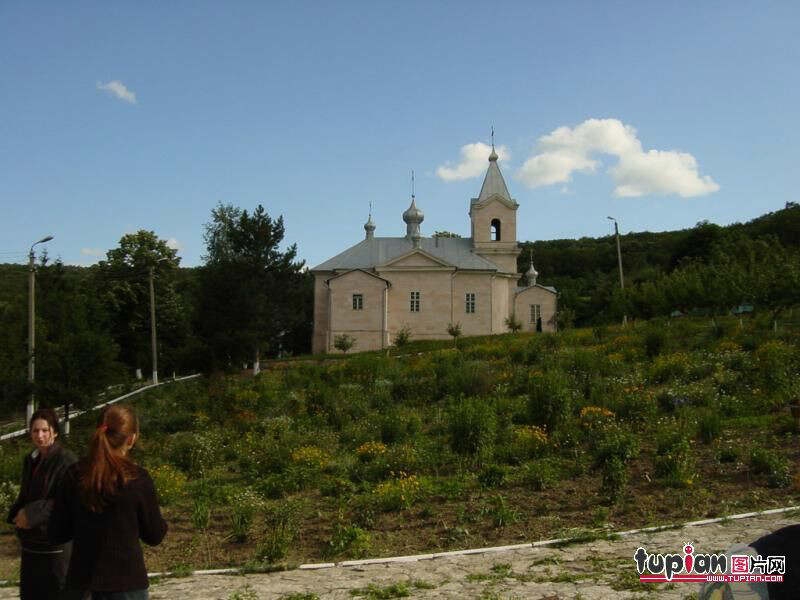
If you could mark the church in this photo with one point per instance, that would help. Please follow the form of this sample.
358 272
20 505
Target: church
381 285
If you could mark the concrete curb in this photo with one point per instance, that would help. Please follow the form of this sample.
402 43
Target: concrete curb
473 551
495 549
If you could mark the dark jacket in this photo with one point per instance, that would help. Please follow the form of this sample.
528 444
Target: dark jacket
41 478
783 542
106 553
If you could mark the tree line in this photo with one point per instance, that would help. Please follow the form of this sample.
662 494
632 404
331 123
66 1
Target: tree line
251 300
708 269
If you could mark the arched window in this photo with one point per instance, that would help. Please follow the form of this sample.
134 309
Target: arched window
494 230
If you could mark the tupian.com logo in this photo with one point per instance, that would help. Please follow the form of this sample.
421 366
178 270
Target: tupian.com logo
693 567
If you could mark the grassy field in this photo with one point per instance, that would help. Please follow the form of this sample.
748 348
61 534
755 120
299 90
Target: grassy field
502 440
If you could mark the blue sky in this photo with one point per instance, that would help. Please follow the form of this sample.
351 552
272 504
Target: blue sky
119 116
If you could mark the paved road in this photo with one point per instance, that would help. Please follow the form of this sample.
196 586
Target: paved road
590 571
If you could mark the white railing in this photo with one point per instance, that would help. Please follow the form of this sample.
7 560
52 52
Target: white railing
77 413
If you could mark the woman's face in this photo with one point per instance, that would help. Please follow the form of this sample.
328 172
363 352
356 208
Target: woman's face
42 435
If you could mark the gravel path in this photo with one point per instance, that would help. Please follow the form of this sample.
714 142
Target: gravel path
590 571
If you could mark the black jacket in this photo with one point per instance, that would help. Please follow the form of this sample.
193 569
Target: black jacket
41 479
106 553
783 542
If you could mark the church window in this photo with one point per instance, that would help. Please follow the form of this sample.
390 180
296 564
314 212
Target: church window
536 312
358 301
470 302
494 230
414 301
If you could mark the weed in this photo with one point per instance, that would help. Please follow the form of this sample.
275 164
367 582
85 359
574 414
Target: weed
539 475
709 426
245 593
280 523
775 467
374 592
349 540
500 513
492 476
201 513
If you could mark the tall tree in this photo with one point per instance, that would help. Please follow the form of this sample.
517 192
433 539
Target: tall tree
75 354
124 279
253 294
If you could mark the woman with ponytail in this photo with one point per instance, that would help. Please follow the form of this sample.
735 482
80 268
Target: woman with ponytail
106 505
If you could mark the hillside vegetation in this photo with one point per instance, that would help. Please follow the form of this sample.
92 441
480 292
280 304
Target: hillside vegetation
251 300
501 440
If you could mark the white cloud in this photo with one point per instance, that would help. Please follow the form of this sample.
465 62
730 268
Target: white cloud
174 244
473 163
638 172
92 252
117 88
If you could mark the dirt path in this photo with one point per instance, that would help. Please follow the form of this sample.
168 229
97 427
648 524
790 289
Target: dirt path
591 571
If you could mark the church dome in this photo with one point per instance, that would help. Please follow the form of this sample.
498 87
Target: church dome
413 216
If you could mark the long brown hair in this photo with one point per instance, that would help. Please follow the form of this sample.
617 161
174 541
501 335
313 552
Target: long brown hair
106 469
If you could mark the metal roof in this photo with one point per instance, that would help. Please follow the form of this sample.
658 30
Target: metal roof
377 251
494 185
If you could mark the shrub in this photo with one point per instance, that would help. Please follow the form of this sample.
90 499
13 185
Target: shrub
615 443
349 540
471 424
344 342
530 441
654 341
403 336
369 451
311 457
492 476
539 475
674 462
728 454
169 483
669 367
615 478
243 505
335 487
396 426
463 378
775 363
636 406
549 400
397 494
596 417
454 330
513 324
774 467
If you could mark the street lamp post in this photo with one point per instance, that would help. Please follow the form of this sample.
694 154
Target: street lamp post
619 262
32 325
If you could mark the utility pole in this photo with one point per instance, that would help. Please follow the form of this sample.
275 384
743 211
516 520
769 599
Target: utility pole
153 319
619 261
32 326
153 327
